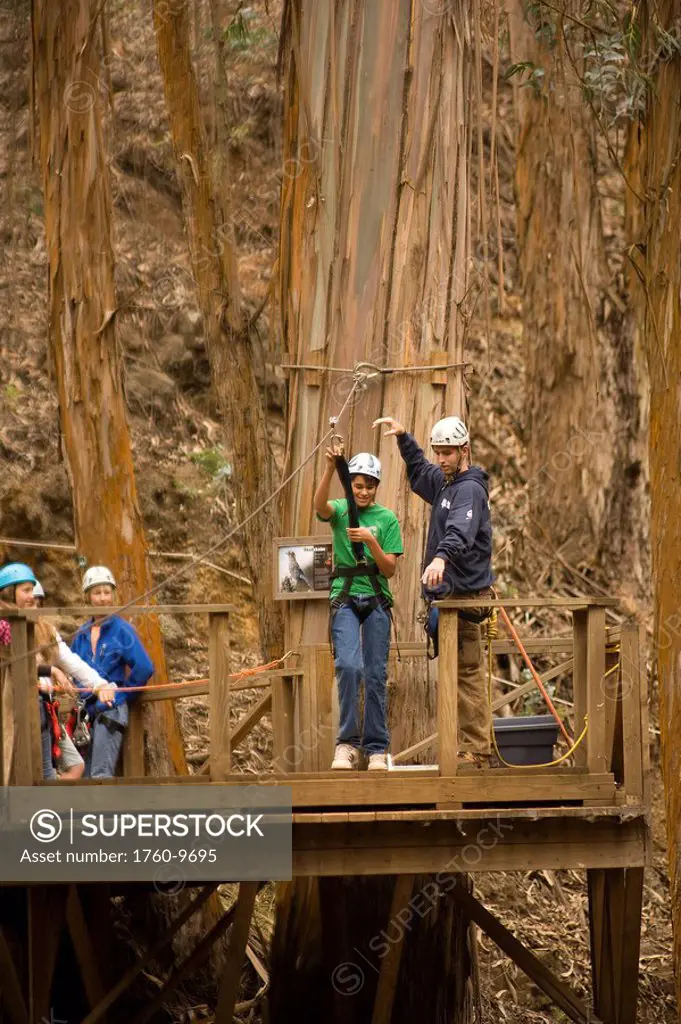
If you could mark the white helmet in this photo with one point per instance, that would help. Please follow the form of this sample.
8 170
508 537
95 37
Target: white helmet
95 575
38 590
366 464
450 431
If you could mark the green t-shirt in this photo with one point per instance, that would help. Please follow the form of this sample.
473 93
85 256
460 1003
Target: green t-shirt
385 528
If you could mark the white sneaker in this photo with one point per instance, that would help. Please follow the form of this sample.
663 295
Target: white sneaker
345 758
378 763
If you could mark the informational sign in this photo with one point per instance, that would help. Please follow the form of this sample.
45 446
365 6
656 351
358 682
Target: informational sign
302 567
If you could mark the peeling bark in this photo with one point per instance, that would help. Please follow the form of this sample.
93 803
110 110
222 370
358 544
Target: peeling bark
82 327
373 265
373 268
657 256
210 232
585 413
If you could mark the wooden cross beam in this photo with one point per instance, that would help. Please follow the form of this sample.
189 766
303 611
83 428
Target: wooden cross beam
559 993
231 975
151 954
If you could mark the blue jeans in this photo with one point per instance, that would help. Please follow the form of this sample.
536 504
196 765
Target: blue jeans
361 653
105 747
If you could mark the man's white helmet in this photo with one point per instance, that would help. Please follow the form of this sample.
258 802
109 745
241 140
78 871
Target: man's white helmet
366 464
95 575
38 590
450 431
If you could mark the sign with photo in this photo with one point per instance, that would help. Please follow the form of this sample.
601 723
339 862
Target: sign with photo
302 567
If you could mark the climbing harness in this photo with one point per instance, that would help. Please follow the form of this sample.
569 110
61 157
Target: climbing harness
430 620
52 724
78 725
362 568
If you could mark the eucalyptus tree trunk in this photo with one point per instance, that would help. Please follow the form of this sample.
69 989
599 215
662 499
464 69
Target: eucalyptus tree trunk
373 269
82 326
585 420
657 256
209 225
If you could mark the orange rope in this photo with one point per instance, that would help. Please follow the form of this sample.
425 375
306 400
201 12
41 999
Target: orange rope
243 674
526 658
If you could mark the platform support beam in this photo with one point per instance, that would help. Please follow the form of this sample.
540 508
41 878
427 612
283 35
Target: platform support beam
46 920
11 993
559 993
236 952
390 964
615 905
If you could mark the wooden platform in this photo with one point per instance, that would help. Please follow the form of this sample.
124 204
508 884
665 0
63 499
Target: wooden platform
442 821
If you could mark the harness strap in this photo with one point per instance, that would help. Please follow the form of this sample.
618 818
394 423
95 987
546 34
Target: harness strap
369 570
53 726
111 723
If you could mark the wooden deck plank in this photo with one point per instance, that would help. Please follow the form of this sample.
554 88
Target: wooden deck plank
496 786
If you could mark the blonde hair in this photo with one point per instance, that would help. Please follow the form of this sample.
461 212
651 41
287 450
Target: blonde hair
45 636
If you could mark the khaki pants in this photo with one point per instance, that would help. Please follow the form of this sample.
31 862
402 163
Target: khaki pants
475 716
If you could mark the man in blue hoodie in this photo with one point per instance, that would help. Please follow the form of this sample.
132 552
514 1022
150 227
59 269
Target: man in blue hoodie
114 649
457 560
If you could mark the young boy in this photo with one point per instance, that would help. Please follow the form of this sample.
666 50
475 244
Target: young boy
360 607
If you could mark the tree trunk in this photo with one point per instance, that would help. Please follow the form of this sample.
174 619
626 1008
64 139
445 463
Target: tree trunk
209 225
373 268
585 420
82 332
657 256
374 247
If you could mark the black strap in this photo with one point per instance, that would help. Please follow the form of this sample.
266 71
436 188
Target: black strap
364 568
111 723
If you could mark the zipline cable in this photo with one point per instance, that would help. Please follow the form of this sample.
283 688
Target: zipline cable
358 382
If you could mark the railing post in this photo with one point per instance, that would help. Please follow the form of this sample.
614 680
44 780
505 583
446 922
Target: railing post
283 733
28 762
589 686
633 737
133 743
219 693
306 710
448 690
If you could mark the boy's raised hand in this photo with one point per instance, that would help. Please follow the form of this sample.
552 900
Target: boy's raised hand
393 426
332 451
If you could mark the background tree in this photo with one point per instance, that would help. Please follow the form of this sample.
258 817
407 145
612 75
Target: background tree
656 255
585 424
209 225
82 328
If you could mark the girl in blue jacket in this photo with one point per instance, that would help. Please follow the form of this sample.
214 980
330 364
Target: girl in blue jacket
116 652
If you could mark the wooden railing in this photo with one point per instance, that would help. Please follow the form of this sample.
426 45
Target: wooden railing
301 699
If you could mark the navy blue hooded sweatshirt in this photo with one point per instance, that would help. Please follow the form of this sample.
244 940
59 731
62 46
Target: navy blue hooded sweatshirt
460 529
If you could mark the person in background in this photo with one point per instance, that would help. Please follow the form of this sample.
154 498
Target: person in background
457 561
38 595
360 607
114 650
55 663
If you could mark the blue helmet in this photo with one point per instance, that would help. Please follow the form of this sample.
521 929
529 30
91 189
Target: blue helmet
14 573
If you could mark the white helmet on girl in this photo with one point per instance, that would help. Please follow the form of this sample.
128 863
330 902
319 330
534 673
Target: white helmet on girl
96 575
366 464
450 431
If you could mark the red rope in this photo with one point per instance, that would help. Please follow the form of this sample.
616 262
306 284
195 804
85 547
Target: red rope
236 676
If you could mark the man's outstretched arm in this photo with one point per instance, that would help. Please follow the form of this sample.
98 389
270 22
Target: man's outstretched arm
425 479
